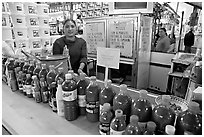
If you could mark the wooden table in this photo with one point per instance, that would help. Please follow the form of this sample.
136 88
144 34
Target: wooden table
22 115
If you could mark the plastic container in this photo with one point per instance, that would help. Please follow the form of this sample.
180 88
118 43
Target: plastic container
6 33
5 20
118 124
20 33
143 109
106 95
44 32
133 128
32 20
43 21
18 20
69 94
30 8
42 9
16 7
45 42
22 43
34 32
35 43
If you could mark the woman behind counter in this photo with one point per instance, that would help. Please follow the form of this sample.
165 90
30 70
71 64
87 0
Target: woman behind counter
77 46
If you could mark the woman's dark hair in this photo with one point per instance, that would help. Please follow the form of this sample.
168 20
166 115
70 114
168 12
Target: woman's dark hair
67 20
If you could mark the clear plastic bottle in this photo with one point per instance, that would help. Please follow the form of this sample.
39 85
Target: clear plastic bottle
133 128
81 93
118 124
92 100
143 109
69 94
151 127
59 99
123 101
105 119
44 90
37 92
106 95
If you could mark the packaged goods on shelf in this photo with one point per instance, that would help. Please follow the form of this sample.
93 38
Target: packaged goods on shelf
30 8
44 32
6 33
33 32
22 43
32 20
20 32
46 41
42 9
35 43
5 20
43 21
16 7
18 20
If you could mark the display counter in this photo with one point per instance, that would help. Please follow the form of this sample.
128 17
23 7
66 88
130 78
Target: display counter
23 116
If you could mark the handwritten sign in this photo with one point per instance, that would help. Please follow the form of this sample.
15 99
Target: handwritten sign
108 57
95 36
121 32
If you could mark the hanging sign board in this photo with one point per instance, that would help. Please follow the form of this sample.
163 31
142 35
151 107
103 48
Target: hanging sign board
95 36
121 35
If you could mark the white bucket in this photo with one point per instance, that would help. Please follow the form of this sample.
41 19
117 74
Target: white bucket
45 42
43 20
6 33
30 8
42 9
18 20
44 32
5 7
20 32
22 43
33 32
5 20
32 20
16 7
35 43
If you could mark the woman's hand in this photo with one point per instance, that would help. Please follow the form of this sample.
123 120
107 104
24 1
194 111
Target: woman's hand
80 71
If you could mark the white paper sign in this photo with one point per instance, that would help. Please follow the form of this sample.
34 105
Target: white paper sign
108 57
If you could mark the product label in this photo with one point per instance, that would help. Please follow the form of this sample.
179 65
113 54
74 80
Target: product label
45 11
20 33
54 104
82 100
20 86
44 96
33 21
113 132
31 9
19 21
37 96
104 128
60 107
45 22
69 96
19 8
142 126
46 32
33 91
101 107
35 33
92 107
28 89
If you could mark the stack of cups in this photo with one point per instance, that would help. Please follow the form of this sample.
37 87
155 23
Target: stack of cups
43 15
32 23
6 25
20 29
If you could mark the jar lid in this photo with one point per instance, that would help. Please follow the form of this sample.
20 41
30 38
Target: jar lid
170 130
151 125
106 106
143 93
123 87
118 113
108 83
93 78
68 76
134 119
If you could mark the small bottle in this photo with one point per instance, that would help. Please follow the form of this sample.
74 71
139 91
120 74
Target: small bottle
92 100
81 93
44 90
37 92
169 130
69 94
151 127
23 82
31 68
37 69
59 99
118 124
133 128
53 91
20 81
105 119
107 94
28 86
43 72
60 75
25 67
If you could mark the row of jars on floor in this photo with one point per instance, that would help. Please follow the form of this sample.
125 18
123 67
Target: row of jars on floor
79 96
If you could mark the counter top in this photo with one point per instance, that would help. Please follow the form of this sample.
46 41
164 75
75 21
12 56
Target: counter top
22 115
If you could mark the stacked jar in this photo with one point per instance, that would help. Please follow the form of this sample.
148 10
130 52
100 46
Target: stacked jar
44 29
19 25
6 25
